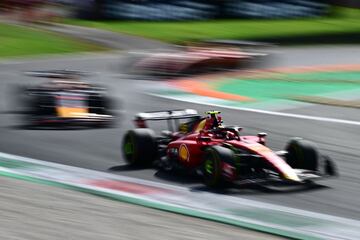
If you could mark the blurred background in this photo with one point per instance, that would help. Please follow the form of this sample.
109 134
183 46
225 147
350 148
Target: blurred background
180 10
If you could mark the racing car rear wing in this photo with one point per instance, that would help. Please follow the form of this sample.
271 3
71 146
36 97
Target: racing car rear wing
168 114
141 118
63 74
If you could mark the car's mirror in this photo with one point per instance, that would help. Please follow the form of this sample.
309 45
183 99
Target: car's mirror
262 137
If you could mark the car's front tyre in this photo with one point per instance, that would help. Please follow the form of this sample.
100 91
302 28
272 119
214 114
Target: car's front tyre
212 166
302 154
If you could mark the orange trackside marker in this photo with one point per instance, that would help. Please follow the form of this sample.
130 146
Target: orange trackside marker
203 89
200 86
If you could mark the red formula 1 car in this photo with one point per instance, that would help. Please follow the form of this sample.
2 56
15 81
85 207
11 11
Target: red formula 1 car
201 58
221 154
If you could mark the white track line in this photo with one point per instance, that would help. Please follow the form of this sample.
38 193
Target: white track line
185 190
282 114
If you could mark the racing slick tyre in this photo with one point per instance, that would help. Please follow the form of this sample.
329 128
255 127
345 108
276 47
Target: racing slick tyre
100 104
212 166
302 154
140 147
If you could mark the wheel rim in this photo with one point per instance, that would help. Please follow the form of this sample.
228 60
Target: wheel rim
209 167
129 148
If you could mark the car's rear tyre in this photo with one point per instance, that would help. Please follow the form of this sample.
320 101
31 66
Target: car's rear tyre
212 166
302 154
100 104
139 147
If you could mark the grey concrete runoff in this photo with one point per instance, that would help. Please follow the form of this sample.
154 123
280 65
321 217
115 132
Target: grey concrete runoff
35 211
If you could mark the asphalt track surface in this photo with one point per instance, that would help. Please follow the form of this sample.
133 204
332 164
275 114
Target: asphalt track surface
99 149
52 210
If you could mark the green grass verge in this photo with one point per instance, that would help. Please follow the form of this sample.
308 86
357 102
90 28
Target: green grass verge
288 86
342 23
24 41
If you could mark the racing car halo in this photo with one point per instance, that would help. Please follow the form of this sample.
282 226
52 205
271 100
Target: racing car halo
220 153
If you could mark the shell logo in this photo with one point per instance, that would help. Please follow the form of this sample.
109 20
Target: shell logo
184 153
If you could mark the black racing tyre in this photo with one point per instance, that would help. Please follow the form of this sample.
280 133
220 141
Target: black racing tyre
302 154
330 167
212 166
98 104
139 147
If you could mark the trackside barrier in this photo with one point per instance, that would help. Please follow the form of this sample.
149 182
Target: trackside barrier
259 216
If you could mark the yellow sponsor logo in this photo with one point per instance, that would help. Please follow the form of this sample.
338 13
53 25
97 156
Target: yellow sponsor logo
68 112
184 153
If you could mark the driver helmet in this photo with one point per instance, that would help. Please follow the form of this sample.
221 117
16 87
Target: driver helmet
213 120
